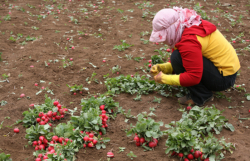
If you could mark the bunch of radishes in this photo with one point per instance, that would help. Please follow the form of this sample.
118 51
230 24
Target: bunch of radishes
89 140
42 144
140 141
46 117
104 117
192 156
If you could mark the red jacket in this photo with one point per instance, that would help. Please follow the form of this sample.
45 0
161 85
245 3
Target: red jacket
191 52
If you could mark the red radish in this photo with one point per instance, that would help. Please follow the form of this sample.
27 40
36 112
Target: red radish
87 132
62 116
71 59
189 108
190 156
136 139
50 113
110 155
55 138
207 159
103 111
191 151
149 65
201 157
186 159
56 103
45 157
196 154
103 115
35 143
66 140
157 43
22 95
42 123
40 155
168 50
248 110
38 159
41 138
75 93
104 61
16 130
72 47
132 76
91 135
155 140
174 153
142 140
180 155
43 118
80 92
38 120
152 144
58 117
117 73
137 143
102 107
41 147
36 148
42 87
60 140
95 142
39 142
45 141
150 61
103 126
106 125
40 114
54 113
31 105
59 106
91 139
100 133
84 145
86 138
234 41
91 145
36 84
67 38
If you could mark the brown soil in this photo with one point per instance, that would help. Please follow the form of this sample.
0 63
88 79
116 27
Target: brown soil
17 60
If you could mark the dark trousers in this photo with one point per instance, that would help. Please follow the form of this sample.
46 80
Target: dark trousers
212 79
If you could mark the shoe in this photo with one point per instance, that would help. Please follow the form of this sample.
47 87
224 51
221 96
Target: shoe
186 100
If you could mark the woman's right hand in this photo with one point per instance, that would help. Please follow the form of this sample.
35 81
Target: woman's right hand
155 70
166 68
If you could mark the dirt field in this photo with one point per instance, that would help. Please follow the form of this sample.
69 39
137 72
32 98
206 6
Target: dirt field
94 36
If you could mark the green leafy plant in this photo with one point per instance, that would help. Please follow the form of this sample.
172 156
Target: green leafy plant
31 115
76 88
95 103
28 38
12 39
7 18
89 121
131 155
146 128
133 85
123 46
2 103
116 69
157 100
5 157
189 133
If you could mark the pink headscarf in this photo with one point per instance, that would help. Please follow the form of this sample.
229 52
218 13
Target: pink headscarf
169 24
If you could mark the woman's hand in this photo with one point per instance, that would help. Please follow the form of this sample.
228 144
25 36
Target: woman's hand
155 70
167 79
166 68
